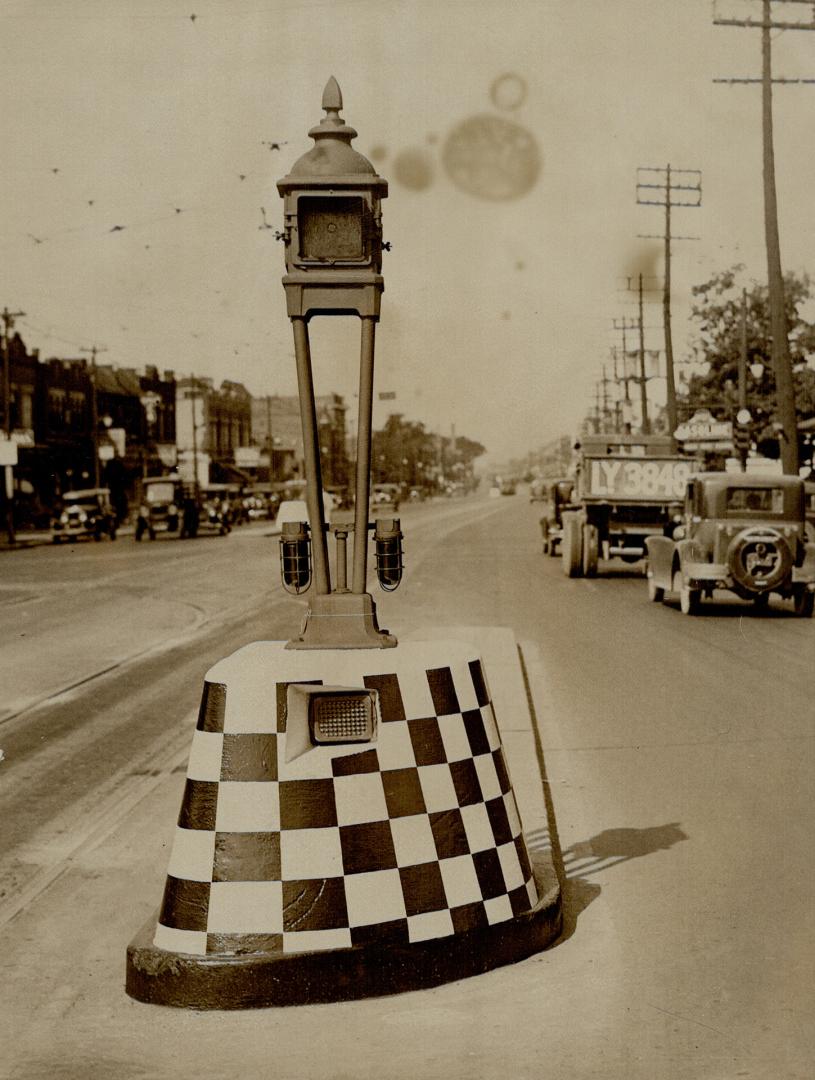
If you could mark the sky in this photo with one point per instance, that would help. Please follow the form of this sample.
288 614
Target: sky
138 174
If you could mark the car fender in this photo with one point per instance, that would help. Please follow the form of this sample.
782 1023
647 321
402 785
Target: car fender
807 567
660 551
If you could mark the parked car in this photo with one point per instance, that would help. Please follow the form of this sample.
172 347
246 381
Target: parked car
161 507
742 532
87 513
555 495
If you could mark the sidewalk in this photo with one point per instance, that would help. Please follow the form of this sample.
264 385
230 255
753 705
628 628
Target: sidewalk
39 537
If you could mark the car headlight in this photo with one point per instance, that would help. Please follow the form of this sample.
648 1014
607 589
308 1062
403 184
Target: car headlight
63 517
83 516
172 509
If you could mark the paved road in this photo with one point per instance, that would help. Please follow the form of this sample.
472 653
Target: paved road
679 755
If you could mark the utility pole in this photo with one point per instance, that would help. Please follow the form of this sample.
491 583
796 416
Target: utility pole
8 318
193 399
269 436
782 362
687 183
646 423
94 349
743 353
625 324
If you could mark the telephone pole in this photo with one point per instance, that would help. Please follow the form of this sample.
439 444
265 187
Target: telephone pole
93 350
623 325
8 318
782 362
657 187
646 423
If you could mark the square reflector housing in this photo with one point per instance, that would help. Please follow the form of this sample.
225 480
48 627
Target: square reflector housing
338 715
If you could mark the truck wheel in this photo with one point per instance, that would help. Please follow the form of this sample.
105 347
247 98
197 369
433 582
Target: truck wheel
655 594
591 544
762 601
804 603
572 547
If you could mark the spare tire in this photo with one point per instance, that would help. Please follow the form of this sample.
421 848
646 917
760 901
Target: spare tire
759 559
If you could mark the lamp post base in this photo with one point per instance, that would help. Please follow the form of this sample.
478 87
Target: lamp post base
342 621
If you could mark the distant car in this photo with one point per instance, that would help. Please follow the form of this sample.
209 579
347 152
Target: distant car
555 495
260 502
161 506
385 498
215 510
87 513
741 532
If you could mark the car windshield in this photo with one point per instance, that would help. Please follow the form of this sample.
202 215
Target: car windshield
764 499
159 493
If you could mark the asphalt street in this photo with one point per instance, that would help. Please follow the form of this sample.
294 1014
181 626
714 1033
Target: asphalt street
679 757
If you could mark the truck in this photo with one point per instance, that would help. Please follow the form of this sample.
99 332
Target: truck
627 488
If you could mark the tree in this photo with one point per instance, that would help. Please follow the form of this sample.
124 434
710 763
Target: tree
717 315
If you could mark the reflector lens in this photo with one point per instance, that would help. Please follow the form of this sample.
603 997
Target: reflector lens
341 717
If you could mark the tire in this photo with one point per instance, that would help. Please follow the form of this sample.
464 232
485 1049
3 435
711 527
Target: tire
151 533
689 600
591 544
572 547
547 545
804 602
655 594
762 601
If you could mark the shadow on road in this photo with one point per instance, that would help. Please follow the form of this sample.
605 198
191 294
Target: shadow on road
579 862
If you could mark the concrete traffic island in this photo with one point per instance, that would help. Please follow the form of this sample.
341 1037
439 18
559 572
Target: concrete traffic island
305 873
348 825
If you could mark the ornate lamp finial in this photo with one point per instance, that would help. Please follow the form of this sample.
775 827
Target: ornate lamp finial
332 96
332 124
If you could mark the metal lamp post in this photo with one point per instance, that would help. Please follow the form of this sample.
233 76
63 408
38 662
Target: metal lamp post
333 239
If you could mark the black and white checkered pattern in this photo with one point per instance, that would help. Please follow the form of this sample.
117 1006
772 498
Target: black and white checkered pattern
416 836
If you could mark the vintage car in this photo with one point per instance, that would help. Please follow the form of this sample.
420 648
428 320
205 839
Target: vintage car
809 509
215 508
743 532
85 513
161 506
385 498
554 494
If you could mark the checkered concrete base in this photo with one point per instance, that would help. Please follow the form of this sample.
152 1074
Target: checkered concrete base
285 847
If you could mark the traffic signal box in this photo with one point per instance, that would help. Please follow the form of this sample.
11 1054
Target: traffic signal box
348 825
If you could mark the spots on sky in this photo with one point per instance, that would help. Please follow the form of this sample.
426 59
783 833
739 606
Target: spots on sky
508 91
413 169
491 158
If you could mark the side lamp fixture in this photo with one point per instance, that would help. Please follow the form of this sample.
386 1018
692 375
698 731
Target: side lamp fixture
295 557
388 547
